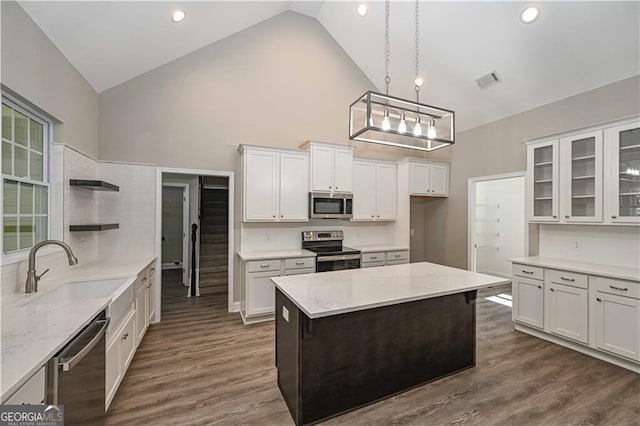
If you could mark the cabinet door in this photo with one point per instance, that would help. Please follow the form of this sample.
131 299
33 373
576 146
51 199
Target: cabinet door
581 177
420 179
343 170
542 181
364 190
33 392
568 312
617 324
127 343
294 187
528 302
142 317
623 173
112 371
151 299
321 168
386 184
439 179
261 293
261 186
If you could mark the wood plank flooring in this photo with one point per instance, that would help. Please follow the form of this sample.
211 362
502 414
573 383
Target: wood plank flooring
201 366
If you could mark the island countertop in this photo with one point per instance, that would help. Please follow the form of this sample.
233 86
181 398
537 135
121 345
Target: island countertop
339 292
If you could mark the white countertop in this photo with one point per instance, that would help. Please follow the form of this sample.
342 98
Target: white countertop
332 293
32 333
610 271
275 254
378 247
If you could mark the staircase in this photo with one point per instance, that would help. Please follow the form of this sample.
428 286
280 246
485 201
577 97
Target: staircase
214 238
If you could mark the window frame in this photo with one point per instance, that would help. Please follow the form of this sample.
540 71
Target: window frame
20 254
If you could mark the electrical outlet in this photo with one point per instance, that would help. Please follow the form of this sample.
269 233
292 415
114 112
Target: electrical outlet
576 245
412 232
285 314
268 236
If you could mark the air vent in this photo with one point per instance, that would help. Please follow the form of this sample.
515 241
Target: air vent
488 80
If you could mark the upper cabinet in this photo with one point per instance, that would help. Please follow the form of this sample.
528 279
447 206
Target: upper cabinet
429 179
588 177
374 190
331 168
275 185
622 181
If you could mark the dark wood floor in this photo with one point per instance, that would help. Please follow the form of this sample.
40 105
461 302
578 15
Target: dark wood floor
201 366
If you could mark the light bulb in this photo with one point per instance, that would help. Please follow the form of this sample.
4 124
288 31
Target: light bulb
402 127
431 130
178 16
529 15
417 131
386 125
362 9
418 81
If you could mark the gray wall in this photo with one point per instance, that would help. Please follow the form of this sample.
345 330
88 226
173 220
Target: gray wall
496 148
278 83
36 70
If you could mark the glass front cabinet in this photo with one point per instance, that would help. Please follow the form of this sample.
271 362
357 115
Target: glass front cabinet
622 145
542 181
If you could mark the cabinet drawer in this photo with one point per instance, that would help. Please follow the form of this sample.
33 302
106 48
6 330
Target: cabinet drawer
299 263
532 272
619 287
373 257
264 265
372 264
397 255
302 271
151 269
568 278
32 392
397 262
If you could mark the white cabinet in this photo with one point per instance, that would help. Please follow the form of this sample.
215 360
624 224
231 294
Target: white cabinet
567 311
119 353
543 186
622 177
331 168
275 185
142 317
528 301
151 296
260 293
617 324
374 190
429 179
33 392
382 258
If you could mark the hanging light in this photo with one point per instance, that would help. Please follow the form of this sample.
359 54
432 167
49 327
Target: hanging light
392 129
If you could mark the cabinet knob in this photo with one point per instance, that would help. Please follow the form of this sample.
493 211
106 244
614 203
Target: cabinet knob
552 289
371 215
540 287
329 187
281 215
337 187
378 215
598 299
274 215
613 216
555 217
567 216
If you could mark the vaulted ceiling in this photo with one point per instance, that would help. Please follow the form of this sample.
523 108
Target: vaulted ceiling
573 47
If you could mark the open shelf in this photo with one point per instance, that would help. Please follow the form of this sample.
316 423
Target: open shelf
94 185
94 227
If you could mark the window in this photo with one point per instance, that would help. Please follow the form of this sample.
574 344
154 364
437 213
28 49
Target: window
25 180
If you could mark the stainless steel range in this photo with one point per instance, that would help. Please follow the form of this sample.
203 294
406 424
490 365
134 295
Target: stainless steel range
331 254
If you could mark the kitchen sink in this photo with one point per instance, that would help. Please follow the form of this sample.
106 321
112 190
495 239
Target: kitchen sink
80 290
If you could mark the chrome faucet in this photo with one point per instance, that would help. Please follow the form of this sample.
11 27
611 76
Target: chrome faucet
31 285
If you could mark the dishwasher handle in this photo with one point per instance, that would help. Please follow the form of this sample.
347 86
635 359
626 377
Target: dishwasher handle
66 364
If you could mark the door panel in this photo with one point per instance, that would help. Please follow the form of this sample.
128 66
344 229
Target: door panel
343 170
528 300
618 324
321 168
439 179
420 178
568 312
386 192
294 187
261 193
364 178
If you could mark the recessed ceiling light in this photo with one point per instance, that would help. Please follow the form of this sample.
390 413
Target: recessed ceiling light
529 15
362 9
178 16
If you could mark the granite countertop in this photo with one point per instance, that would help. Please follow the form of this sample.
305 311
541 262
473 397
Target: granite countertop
333 293
610 271
275 254
379 247
32 333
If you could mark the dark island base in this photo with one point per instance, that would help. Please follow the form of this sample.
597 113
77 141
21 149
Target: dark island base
332 365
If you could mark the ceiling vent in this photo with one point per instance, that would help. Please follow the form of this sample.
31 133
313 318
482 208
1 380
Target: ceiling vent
488 80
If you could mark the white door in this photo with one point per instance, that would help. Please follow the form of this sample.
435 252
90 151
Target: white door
386 177
151 299
321 168
261 187
618 324
439 179
581 177
294 187
420 179
261 293
623 173
528 302
142 318
343 170
568 312
542 181
364 190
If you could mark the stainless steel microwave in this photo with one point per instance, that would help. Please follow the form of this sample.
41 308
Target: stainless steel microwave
327 205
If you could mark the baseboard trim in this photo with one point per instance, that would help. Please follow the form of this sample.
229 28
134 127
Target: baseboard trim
603 356
235 307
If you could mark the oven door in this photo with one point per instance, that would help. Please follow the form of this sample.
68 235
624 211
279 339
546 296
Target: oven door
328 206
338 262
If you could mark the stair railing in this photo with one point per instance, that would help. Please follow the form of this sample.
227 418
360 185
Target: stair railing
194 237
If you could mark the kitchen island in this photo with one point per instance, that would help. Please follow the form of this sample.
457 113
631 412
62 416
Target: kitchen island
346 339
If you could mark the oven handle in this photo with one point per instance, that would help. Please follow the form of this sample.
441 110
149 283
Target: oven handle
338 257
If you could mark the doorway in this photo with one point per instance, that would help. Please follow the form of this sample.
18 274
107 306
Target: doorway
175 228
497 226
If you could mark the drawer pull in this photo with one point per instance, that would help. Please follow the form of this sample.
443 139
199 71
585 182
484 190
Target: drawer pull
144 279
527 272
396 255
373 257
153 269
568 279
598 299
540 287
299 263
618 288
264 266
124 336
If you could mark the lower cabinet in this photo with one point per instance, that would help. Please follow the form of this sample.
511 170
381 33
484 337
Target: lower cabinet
33 392
142 318
568 312
260 298
374 259
617 324
119 353
151 296
528 301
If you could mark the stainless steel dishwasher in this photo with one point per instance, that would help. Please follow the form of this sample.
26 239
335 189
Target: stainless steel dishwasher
75 375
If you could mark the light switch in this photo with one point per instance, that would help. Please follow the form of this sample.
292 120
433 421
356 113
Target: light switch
285 314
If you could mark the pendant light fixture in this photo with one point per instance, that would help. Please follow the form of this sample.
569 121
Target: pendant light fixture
384 119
